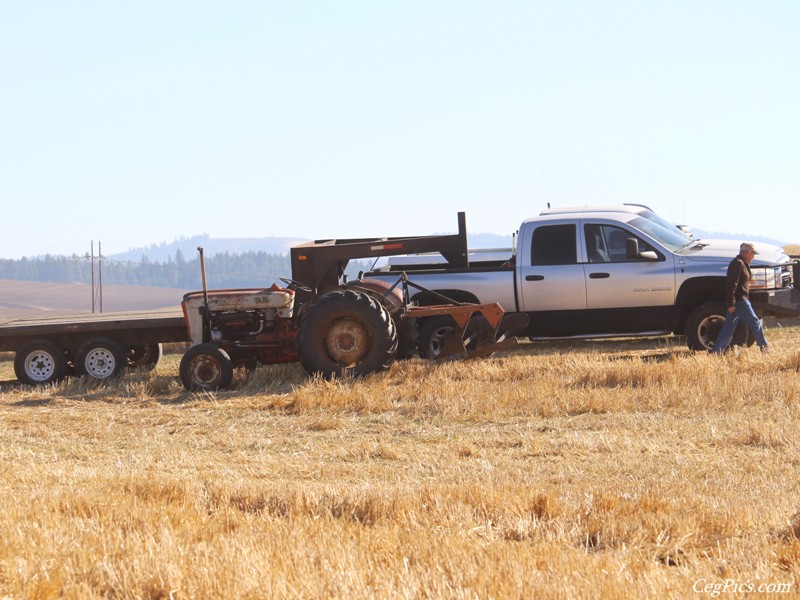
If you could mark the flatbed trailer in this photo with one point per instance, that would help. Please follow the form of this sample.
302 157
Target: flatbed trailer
99 345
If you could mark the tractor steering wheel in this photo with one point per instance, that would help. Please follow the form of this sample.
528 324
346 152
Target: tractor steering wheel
291 284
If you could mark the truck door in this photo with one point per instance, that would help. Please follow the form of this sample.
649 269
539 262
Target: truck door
615 281
550 276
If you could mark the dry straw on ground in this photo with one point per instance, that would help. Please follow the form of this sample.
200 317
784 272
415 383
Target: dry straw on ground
601 469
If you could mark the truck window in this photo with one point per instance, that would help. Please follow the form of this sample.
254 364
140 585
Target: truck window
554 245
606 243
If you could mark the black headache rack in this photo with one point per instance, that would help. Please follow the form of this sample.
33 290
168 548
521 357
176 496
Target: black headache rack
782 298
320 264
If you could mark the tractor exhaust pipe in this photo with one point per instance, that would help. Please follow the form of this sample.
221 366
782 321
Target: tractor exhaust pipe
203 275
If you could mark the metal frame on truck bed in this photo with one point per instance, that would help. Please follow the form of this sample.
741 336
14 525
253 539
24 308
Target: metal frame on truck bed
320 265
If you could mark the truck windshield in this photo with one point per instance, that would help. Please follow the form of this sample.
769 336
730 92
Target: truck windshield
669 235
650 215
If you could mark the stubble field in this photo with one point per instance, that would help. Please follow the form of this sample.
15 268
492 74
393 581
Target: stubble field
597 469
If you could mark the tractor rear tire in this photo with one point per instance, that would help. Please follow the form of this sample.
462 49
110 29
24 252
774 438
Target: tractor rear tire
407 336
206 367
347 331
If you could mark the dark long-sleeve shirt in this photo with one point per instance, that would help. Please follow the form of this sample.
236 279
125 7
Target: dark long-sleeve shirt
737 282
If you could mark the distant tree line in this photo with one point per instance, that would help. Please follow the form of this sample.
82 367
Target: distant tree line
224 270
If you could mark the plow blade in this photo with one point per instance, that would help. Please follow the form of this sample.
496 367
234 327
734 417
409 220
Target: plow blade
481 339
478 329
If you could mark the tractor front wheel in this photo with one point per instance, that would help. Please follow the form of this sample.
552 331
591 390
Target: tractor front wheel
206 367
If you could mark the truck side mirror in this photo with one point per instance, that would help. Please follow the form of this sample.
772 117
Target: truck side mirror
632 251
632 248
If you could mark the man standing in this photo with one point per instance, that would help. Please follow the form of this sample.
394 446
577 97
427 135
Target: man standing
737 299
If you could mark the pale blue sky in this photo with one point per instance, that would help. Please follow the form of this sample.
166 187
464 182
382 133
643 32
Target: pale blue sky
134 123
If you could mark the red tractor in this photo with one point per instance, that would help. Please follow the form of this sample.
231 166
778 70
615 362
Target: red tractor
330 325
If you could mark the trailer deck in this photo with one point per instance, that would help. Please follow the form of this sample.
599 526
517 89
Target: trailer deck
145 326
99 345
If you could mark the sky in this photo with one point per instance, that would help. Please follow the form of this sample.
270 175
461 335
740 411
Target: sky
136 123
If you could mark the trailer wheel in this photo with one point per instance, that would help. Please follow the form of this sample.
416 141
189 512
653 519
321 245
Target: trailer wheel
100 358
145 356
206 367
347 331
432 334
39 362
704 324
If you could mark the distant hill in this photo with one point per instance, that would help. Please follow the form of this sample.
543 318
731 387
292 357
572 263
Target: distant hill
271 245
20 299
188 247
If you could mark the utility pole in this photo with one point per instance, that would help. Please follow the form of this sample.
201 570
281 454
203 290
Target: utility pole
100 259
99 278
92 276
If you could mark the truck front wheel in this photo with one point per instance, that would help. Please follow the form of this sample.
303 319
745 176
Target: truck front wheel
39 362
704 324
206 367
347 331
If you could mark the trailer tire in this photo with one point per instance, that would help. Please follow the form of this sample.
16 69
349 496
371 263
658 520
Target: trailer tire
704 324
100 358
145 356
347 331
39 362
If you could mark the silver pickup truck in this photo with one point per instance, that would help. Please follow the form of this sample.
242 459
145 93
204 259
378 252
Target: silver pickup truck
608 271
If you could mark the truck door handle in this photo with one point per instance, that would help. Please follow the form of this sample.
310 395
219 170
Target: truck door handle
534 277
599 275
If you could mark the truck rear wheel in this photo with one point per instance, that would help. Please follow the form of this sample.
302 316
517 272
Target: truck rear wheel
347 331
144 356
432 333
435 330
704 324
39 362
206 367
100 358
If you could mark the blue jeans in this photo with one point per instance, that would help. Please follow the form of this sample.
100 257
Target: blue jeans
743 311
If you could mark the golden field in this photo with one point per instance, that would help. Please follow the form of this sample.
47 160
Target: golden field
562 470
